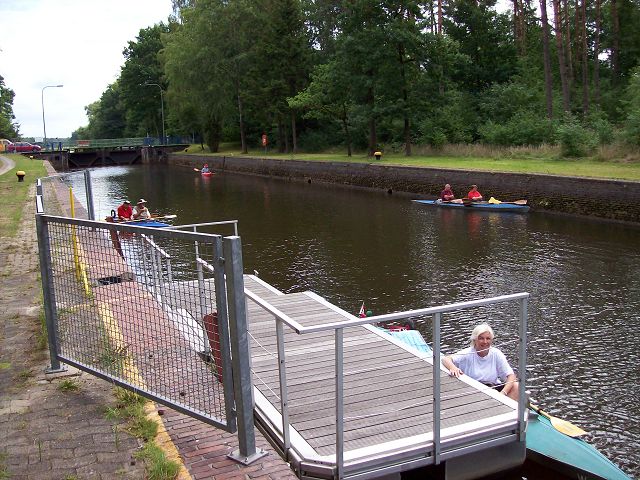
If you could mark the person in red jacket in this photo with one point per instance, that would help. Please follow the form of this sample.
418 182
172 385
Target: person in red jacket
125 211
474 194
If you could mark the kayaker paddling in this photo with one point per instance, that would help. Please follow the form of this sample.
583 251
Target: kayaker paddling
125 211
474 195
447 195
141 211
484 363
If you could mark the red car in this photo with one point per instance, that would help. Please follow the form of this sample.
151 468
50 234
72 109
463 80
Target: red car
23 147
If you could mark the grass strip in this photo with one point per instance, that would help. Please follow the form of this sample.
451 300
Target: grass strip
131 408
13 194
4 473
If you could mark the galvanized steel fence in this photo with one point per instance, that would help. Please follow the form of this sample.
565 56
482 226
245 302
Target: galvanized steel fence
158 311
126 304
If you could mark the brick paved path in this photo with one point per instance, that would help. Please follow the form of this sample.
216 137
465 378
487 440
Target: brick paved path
46 433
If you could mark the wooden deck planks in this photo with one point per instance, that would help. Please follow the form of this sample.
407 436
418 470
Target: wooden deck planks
387 390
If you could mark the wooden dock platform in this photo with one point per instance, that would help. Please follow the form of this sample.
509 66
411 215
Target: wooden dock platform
388 398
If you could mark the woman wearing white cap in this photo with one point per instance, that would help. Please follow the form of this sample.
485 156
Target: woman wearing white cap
141 211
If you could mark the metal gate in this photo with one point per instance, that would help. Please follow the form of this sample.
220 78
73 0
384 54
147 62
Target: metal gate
143 308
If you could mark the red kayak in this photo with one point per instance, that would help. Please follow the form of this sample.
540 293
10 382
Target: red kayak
207 174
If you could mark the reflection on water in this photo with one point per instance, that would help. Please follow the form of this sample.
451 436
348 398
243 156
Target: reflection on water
352 245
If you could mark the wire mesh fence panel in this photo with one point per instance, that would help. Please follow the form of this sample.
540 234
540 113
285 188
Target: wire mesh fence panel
64 192
138 306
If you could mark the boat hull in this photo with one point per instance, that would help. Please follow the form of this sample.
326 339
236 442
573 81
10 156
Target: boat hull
207 174
148 223
490 207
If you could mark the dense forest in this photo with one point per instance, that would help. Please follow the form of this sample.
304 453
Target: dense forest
366 74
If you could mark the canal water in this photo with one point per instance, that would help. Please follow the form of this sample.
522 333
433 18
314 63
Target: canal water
355 245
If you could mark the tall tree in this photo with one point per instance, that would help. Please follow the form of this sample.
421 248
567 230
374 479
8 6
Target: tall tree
328 98
596 53
143 65
194 66
562 56
548 80
107 117
8 126
585 58
281 62
484 36
615 41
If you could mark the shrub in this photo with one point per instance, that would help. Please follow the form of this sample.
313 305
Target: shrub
316 140
598 122
524 128
575 139
631 129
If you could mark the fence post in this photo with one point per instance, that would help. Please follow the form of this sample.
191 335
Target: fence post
522 370
89 192
39 197
49 299
223 325
242 386
201 289
339 356
436 388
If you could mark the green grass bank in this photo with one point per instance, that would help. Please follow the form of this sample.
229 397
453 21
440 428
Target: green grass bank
13 194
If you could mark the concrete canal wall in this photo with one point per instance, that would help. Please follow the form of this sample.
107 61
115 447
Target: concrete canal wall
610 199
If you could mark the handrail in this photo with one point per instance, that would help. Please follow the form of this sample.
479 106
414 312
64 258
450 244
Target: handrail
338 328
356 322
207 224
155 246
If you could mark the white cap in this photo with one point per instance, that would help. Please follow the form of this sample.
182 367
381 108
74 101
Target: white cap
142 200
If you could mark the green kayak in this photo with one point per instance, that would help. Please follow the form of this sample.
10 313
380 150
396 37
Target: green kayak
572 457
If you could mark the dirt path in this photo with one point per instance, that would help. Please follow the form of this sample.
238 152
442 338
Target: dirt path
6 164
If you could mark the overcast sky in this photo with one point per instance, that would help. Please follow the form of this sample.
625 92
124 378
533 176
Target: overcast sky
76 43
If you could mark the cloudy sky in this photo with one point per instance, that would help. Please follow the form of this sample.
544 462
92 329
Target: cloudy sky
76 43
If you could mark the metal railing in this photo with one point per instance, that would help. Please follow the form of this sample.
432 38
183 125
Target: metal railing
126 303
124 142
194 226
338 328
54 195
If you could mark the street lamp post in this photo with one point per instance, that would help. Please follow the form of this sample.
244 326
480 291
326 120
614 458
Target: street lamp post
44 125
161 108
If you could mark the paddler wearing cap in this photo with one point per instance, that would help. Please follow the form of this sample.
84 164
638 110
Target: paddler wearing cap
125 211
141 211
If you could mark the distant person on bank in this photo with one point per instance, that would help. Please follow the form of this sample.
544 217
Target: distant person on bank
141 211
125 211
484 363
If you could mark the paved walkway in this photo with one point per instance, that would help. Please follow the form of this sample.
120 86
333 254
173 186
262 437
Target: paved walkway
47 433
6 164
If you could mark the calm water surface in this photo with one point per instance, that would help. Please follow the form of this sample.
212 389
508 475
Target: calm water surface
352 245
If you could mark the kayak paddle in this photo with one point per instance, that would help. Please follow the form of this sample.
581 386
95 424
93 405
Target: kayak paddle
196 170
562 426
518 202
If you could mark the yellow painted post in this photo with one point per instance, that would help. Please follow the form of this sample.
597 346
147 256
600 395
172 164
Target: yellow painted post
81 272
74 238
